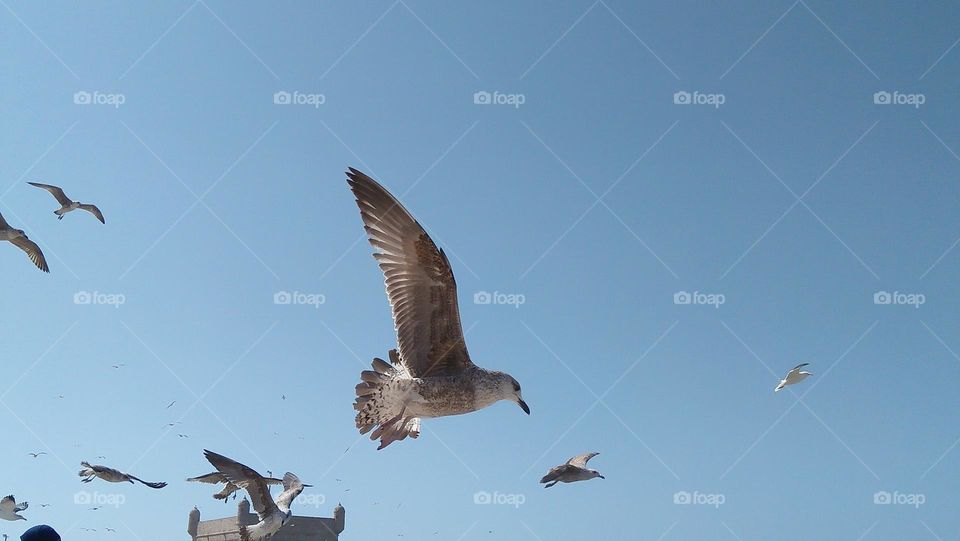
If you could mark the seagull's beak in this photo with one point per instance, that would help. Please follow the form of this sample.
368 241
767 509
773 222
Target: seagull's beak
601 477
523 405
307 486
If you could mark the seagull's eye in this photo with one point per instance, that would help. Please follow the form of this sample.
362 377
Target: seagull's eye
516 387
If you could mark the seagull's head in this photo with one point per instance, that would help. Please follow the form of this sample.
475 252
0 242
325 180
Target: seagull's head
509 389
20 232
595 473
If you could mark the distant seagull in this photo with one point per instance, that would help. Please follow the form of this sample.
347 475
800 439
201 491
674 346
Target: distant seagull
432 374
170 405
9 508
793 377
229 488
573 470
111 475
35 455
45 504
67 204
273 514
19 239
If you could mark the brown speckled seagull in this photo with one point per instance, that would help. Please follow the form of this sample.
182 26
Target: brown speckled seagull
430 373
19 239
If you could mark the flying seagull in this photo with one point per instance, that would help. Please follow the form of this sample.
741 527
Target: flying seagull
20 240
35 455
571 471
111 475
431 373
794 376
273 514
229 488
67 204
9 508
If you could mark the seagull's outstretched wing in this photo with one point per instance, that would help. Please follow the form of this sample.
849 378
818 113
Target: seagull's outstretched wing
92 209
580 461
246 478
147 483
33 252
796 369
214 478
56 191
292 487
3 223
420 283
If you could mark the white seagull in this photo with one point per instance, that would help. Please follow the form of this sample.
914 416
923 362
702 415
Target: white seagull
229 488
431 373
9 508
571 471
273 514
67 204
89 472
794 376
19 239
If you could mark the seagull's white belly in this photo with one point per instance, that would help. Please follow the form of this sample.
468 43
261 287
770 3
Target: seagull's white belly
267 526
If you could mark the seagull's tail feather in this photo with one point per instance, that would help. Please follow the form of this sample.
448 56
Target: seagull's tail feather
380 404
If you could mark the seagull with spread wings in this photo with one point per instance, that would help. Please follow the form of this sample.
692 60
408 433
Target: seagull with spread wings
91 471
19 239
273 513
229 488
571 471
67 204
430 373
9 508
794 376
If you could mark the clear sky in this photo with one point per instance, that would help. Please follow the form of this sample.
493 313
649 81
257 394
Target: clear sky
777 190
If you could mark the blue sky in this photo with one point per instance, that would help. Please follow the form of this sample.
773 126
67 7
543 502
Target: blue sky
794 201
